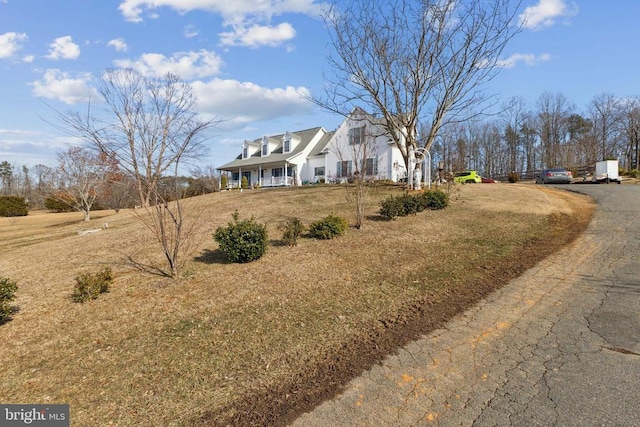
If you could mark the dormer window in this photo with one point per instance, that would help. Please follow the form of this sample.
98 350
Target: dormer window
286 143
265 146
245 150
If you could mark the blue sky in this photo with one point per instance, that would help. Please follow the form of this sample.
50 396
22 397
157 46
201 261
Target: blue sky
249 60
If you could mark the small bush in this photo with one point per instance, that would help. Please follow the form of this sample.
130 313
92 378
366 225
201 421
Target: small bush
244 182
634 173
292 229
57 205
513 177
410 204
328 227
7 294
13 206
434 199
242 241
223 182
391 207
90 286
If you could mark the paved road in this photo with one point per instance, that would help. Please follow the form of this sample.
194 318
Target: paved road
559 346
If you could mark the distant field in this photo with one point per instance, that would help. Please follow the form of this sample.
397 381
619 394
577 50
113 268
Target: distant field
253 344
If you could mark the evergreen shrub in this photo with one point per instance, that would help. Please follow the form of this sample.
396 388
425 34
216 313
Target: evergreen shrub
7 294
90 286
13 206
328 227
242 241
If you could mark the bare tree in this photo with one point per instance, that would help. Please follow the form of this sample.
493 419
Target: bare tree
149 126
513 115
358 161
415 62
629 125
79 175
604 115
553 112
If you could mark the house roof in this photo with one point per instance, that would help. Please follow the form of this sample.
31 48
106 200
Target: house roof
305 137
322 145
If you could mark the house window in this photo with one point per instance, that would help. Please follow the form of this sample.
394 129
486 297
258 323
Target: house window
344 168
265 148
245 152
356 135
235 176
287 145
318 171
371 166
277 172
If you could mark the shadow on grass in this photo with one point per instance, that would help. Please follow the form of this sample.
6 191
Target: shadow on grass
377 217
208 256
12 310
147 268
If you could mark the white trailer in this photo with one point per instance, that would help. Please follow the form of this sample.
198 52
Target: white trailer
607 171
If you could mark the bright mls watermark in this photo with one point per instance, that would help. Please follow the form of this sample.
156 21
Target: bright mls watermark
34 415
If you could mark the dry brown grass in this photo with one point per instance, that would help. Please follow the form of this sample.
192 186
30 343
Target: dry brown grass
214 347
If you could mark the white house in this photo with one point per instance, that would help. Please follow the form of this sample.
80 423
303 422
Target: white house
358 145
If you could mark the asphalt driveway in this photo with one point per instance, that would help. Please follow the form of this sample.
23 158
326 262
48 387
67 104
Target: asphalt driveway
559 346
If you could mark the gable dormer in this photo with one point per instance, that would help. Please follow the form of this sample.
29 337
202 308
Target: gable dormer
248 149
245 149
265 148
289 142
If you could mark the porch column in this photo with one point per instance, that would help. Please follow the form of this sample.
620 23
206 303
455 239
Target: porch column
260 176
286 183
239 177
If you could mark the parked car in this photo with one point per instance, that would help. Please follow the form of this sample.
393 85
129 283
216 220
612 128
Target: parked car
489 180
555 176
467 177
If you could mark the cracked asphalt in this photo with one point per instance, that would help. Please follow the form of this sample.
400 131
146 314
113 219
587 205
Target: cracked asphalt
558 346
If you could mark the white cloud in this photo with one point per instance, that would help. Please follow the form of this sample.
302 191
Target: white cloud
28 58
10 43
249 20
190 31
63 48
187 65
546 13
528 58
247 102
133 9
118 44
56 84
258 35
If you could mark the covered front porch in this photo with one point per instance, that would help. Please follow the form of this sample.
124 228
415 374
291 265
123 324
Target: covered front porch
282 174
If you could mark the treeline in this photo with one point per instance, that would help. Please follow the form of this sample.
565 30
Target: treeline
551 133
47 187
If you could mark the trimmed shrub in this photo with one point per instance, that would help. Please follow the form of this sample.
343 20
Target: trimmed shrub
13 206
328 227
292 229
410 204
242 241
57 205
244 182
223 182
90 286
391 207
435 199
7 294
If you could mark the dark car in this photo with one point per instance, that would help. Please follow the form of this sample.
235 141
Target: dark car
555 176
